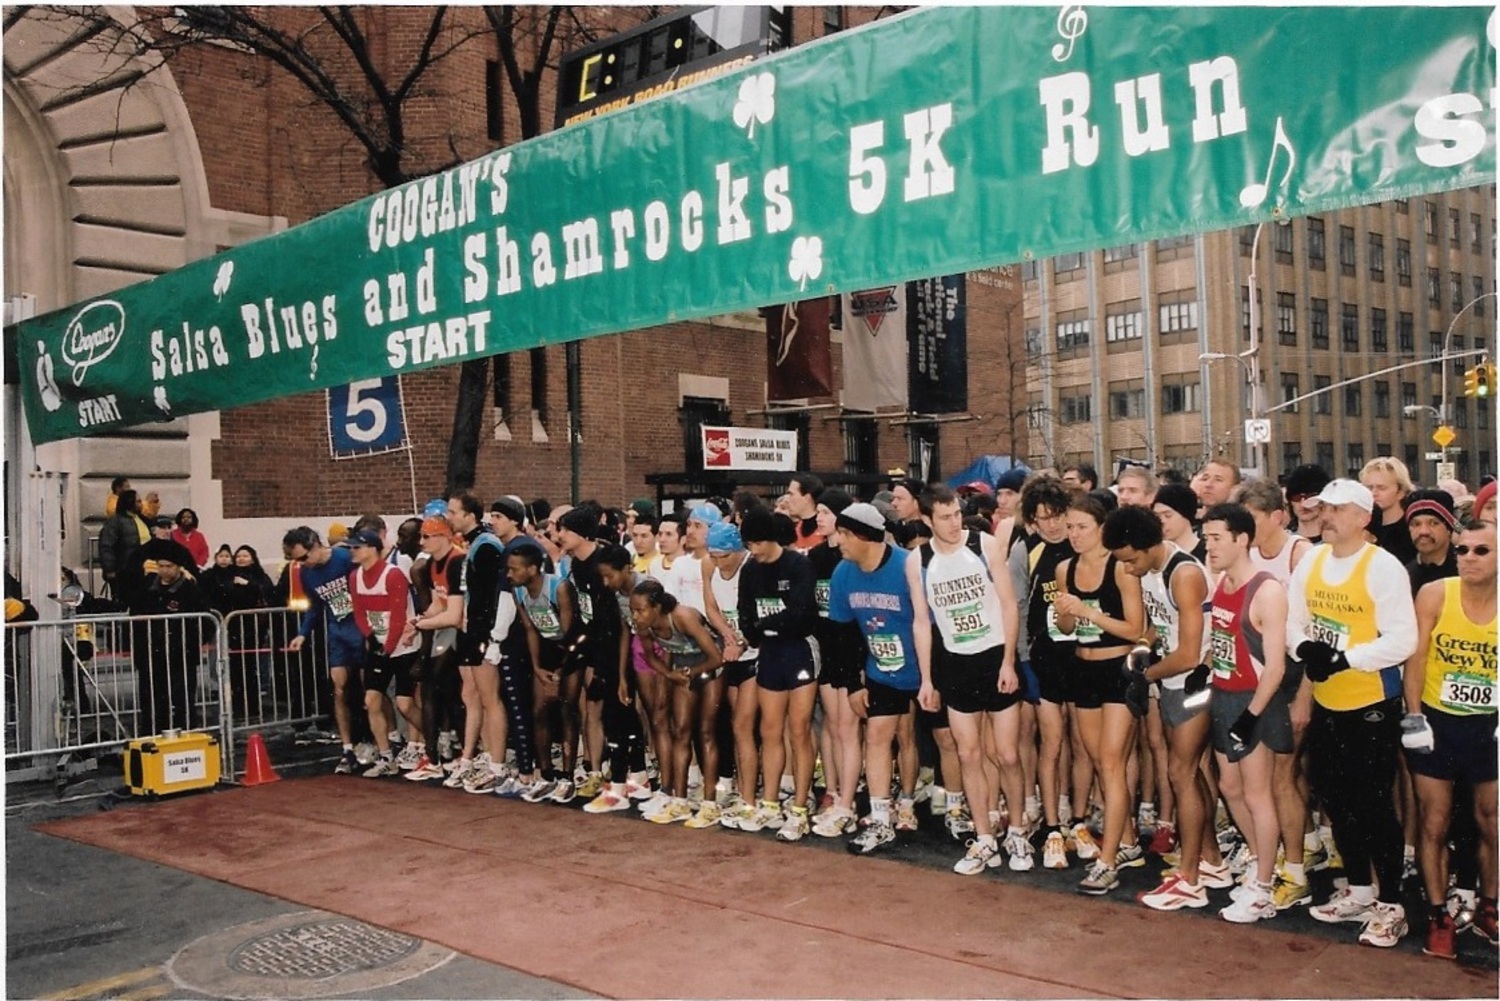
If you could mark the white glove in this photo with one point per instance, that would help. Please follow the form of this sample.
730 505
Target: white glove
1416 733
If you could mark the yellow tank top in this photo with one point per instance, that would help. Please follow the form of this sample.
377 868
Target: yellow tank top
1343 616
1460 675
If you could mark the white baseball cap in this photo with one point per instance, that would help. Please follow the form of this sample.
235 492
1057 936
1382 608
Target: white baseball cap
1348 492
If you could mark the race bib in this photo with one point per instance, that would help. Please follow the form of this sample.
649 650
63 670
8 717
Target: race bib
888 651
340 604
585 606
380 624
1467 693
821 591
1221 654
766 607
732 616
1087 632
1325 630
1055 634
969 627
546 622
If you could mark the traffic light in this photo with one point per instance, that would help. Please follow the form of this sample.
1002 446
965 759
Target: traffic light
1472 381
1486 385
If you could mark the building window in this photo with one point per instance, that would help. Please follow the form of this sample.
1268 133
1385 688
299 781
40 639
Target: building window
1247 240
539 385
1317 252
1478 285
1408 399
1177 314
1318 315
1290 390
1174 247
1029 271
1181 397
1352 401
1409 452
1323 454
1286 317
1034 342
1118 258
1354 459
1123 322
1403 207
1346 249
1406 339
1382 399
1434 288
1076 409
1073 331
1482 414
1435 349
799 421
1403 263
1476 235
1432 221
1455 224
1323 402
833 20
861 445
1486 465
1377 257
1260 320
502 400
1126 400
1457 347
1379 339
1461 413
1281 241
1349 326
1291 455
1456 290
1066 264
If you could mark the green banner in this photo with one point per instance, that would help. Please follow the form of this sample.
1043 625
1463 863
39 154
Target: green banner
934 142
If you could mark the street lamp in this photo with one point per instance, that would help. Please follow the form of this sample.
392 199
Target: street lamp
1413 409
1248 362
1447 341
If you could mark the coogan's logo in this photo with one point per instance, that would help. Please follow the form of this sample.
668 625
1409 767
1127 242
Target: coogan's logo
92 335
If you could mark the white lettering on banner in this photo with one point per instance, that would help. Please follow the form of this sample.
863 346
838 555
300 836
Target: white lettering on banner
437 204
928 172
581 254
1456 138
1066 98
299 324
100 410
733 224
449 340
778 206
692 221
190 351
543 271
866 173
622 225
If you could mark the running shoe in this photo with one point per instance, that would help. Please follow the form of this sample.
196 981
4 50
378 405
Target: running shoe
734 814
366 752
1163 839
654 805
1409 864
1462 906
906 817
482 780
591 786
1335 860
1084 845
826 802
1315 859
1440 937
1287 894
675 811
457 773
983 854
1173 894
960 825
512 787
539 790
1129 856
1343 906
347 764
1022 855
1386 926
1055 851
565 792
788 787
835 823
383 766
766 816
796 826
1215 877
1487 923
409 757
1241 860
1228 838
875 837
447 744
1251 906
708 815
1096 819
639 788
425 771
1145 817
608 801
1099 880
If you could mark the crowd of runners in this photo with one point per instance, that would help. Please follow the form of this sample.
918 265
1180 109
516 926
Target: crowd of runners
1244 682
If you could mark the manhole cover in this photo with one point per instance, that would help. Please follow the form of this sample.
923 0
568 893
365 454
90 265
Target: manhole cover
309 954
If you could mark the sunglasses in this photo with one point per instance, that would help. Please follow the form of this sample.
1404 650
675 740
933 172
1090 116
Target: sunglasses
433 535
1475 550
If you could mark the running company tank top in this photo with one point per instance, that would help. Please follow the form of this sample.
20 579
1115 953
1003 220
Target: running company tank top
543 608
1343 615
727 594
1460 676
962 597
1162 611
1237 648
1041 620
1105 598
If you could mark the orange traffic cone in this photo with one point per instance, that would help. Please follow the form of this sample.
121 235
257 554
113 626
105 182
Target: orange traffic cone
258 770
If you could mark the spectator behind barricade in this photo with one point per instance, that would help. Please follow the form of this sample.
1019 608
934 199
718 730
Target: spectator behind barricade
247 589
117 486
121 537
18 607
150 505
166 652
214 581
185 530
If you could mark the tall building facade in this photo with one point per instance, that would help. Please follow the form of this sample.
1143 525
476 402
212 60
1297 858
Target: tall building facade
1139 352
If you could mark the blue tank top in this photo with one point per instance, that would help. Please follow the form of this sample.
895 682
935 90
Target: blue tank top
880 603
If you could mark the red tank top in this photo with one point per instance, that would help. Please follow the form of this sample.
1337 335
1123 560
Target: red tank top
1236 649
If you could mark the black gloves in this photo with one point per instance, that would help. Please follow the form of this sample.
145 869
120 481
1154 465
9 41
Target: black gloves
1242 730
1320 661
1197 680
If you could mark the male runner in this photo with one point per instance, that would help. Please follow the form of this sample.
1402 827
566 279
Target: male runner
324 575
382 605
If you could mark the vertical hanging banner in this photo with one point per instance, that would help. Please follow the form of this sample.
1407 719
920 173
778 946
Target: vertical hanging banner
366 417
875 348
937 337
903 149
799 360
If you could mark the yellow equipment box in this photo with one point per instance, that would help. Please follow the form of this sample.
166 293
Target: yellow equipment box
172 763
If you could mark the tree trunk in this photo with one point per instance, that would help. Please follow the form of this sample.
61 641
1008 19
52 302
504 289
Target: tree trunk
468 423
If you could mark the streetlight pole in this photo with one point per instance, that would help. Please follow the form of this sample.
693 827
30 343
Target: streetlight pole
1252 369
1447 414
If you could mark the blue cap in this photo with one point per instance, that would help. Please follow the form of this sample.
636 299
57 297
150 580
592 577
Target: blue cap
706 513
724 538
436 508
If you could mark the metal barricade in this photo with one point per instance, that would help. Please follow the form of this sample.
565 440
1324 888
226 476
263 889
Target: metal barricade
270 686
91 684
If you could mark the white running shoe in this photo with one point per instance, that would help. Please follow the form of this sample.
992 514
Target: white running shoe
983 854
1022 855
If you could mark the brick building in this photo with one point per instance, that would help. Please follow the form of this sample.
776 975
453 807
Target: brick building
119 169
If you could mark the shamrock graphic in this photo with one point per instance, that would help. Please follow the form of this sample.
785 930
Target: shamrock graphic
757 102
807 259
221 283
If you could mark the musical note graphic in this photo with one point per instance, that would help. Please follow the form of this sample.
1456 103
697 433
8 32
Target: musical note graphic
1072 22
1254 195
